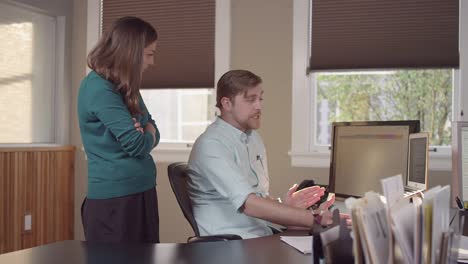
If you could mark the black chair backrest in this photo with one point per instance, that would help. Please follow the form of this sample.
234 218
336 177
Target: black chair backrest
178 177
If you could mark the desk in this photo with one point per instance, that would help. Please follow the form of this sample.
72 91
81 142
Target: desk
268 250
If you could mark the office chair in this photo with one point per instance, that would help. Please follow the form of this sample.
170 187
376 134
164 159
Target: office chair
178 177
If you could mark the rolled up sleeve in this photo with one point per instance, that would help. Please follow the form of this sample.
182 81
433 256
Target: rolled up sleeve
109 108
216 163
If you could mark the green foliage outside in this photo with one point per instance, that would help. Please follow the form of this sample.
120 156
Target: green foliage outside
424 95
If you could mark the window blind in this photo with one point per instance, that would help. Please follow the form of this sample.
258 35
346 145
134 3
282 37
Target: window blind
185 51
370 34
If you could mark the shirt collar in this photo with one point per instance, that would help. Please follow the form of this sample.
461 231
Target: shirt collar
234 131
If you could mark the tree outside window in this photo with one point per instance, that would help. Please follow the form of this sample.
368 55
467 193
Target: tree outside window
424 95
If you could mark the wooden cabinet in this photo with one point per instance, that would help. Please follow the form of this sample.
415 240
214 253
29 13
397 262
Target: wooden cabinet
36 181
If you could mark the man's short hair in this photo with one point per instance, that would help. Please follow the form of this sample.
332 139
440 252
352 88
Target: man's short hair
235 82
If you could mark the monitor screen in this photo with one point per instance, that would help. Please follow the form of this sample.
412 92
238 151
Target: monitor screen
417 161
363 153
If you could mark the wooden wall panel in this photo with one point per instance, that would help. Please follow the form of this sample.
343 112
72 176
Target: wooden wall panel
36 181
6 200
3 203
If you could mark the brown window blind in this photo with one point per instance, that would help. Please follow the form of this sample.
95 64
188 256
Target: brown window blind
186 29
384 34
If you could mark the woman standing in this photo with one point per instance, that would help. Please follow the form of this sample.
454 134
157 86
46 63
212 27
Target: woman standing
118 135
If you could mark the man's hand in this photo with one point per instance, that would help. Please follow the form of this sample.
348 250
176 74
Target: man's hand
329 202
347 217
304 198
327 219
327 216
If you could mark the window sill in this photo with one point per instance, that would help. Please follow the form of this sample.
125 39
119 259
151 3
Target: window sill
437 161
167 154
171 154
29 145
310 159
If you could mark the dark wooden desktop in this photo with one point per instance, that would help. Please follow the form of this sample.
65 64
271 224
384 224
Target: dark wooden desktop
268 250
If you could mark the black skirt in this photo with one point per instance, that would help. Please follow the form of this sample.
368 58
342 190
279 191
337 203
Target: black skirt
128 219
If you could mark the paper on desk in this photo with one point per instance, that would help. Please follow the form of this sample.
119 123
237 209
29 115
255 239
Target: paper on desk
462 255
427 207
393 189
463 249
440 220
301 243
419 229
358 247
375 229
403 218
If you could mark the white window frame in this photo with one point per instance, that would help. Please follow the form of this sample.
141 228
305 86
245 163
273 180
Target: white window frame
61 94
181 124
303 151
177 151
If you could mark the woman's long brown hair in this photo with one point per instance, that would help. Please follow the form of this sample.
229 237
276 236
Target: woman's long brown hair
118 57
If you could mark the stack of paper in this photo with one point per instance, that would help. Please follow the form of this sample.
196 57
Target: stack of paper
403 218
371 229
462 255
436 224
407 226
440 222
301 243
403 229
463 250
421 228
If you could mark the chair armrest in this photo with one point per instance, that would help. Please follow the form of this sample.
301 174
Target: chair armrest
213 238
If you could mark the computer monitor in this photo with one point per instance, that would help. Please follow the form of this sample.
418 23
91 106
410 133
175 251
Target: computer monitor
363 153
417 161
459 186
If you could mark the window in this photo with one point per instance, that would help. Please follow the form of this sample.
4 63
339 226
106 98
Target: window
430 95
181 114
27 75
424 95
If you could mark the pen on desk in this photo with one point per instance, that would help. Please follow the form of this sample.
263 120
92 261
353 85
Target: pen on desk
459 203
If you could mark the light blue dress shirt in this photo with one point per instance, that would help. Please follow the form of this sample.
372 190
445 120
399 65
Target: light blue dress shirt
225 166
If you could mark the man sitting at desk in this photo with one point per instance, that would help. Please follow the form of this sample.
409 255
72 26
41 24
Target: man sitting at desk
228 171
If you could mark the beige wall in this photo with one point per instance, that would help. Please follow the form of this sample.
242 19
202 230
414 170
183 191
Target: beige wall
261 41
172 225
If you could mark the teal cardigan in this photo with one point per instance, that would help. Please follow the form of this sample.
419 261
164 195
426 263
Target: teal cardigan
119 160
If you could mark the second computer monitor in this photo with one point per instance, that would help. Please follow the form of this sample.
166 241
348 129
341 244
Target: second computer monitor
363 153
417 161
